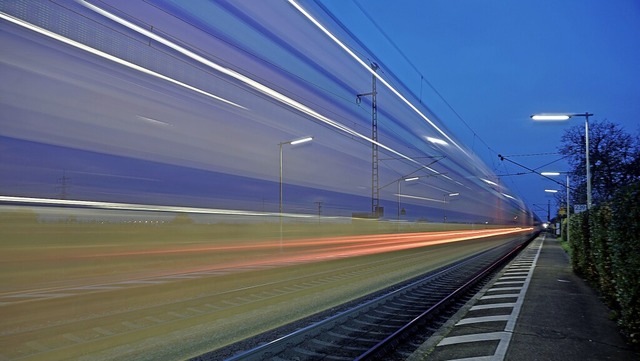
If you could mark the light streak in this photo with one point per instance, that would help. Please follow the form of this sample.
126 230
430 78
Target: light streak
241 258
153 121
437 141
143 207
110 57
311 249
368 68
490 182
420 198
248 81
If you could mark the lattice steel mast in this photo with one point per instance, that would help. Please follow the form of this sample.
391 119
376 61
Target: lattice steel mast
375 189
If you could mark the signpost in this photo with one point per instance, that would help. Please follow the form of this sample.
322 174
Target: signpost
579 208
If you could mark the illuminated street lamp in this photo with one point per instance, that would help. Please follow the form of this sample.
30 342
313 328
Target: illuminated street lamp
291 142
410 179
568 192
555 117
444 199
549 203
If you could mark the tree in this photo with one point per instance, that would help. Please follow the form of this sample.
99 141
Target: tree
614 156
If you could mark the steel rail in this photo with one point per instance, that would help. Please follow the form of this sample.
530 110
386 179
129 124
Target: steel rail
292 340
380 349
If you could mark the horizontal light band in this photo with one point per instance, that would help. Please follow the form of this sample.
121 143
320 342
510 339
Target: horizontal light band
141 207
303 140
251 82
550 117
437 141
110 57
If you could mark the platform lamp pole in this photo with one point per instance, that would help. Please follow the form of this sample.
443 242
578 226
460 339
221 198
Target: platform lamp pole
568 193
410 179
552 117
445 203
290 142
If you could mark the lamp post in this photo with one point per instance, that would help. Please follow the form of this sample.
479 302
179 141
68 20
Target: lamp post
444 199
291 142
411 179
568 193
549 204
552 117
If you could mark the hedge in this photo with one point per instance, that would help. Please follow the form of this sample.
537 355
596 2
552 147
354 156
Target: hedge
605 250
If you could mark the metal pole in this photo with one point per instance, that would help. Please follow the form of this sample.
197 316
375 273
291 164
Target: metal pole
444 200
375 185
399 198
280 207
586 137
568 212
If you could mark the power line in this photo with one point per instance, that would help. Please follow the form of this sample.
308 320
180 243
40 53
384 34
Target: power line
422 78
531 155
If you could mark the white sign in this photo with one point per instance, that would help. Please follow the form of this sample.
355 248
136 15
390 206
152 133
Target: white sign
579 208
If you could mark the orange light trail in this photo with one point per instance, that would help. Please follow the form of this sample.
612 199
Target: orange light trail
259 254
350 246
365 244
319 249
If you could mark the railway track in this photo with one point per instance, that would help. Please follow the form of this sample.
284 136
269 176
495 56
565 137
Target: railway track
374 328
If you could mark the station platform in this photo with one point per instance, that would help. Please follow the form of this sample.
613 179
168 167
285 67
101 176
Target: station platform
535 309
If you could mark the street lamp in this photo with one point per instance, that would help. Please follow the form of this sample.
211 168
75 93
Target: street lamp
410 179
568 193
291 142
444 199
554 117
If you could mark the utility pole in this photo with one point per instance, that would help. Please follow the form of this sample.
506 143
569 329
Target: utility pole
375 190
319 204
64 184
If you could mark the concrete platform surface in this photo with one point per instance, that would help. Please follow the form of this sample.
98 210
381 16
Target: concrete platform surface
535 309
562 318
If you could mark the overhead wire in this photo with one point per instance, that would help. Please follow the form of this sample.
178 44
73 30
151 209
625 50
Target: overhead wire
422 77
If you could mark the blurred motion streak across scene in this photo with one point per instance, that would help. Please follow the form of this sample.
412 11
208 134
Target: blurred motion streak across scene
140 171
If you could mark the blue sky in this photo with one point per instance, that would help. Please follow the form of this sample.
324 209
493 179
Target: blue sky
498 62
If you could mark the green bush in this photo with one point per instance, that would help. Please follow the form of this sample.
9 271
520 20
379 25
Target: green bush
580 247
600 243
625 258
605 249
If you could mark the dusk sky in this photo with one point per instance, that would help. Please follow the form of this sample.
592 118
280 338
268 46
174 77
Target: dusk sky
498 62
172 102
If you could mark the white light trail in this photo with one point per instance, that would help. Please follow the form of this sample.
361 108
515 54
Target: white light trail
490 182
247 81
368 68
419 198
142 207
508 196
153 121
437 141
110 57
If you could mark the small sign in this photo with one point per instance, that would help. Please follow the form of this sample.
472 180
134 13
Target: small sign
579 208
